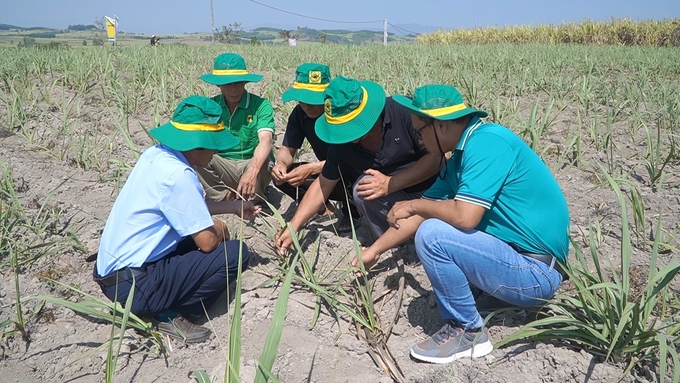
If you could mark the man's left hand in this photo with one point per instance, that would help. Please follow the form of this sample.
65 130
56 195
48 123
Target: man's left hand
246 186
373 187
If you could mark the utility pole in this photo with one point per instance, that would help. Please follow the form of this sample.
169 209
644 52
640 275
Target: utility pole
385 32
212 22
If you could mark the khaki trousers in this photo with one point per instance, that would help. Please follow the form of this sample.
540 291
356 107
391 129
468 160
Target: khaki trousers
223 174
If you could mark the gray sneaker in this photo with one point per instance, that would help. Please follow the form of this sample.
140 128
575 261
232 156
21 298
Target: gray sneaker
179 328
452 342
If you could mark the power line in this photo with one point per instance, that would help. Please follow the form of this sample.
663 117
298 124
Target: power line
402 30
317 18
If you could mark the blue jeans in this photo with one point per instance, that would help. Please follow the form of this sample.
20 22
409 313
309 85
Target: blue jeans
453 259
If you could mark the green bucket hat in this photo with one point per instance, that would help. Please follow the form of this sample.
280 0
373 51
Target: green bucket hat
351 108
196 123
230 68
311 79
441 102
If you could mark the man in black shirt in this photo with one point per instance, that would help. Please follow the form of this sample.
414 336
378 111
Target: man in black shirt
374 148
294 178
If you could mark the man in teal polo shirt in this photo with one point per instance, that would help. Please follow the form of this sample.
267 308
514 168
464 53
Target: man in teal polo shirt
496 219
244 168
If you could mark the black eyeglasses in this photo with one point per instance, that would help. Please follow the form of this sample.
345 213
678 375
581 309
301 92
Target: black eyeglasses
420 130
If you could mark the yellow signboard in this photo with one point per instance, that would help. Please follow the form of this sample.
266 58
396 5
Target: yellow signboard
111 25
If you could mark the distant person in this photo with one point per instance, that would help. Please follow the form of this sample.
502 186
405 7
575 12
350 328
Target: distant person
294 178
373 148
242 170
496 219
153 40
160 234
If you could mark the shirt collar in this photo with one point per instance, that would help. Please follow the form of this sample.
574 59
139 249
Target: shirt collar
474 123
176 153
243 104
387 115
245 100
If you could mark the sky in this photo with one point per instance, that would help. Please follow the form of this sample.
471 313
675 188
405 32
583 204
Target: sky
182 16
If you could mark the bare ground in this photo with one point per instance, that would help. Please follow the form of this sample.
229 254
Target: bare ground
61 345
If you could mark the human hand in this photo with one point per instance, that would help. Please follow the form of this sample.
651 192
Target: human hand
279 172
282 241
400 210
246 210
247 184
368 258
373 187
297 176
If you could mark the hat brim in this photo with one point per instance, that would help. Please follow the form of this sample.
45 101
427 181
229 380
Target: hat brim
303 95
358 126
184 140
408 104
230 79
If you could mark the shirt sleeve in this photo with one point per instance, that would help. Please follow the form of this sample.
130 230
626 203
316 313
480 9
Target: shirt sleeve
183 205
485 166
294 135
265 117
330 168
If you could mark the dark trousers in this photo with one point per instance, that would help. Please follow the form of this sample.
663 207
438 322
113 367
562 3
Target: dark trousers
374 212
339 193
181 280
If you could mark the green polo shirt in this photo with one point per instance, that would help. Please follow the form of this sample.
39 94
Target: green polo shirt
493 168
252 115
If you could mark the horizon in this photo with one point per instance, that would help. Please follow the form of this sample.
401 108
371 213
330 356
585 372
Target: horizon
175 17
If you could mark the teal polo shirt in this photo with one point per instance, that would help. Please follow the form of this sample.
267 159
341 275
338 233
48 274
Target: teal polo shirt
252 115
493 168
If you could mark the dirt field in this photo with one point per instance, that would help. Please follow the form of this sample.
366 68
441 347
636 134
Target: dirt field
63 346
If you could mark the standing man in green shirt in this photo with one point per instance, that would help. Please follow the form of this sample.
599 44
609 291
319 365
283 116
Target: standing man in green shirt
244 168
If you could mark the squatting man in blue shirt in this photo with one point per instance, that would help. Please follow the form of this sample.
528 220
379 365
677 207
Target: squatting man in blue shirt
496 219
160 233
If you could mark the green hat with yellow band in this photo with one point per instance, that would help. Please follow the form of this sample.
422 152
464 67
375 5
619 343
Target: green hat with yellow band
441 102
196 124
351 108
230 68
311 79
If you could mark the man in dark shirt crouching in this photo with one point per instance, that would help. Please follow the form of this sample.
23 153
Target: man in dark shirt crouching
373 147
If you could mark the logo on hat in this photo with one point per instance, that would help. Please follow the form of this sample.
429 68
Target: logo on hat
327 107
315 77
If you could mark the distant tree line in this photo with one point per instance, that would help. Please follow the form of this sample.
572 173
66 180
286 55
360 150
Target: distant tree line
234 34
29 42
42 35
81 27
